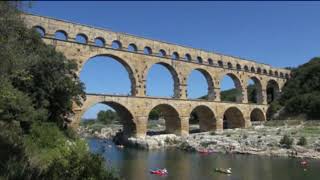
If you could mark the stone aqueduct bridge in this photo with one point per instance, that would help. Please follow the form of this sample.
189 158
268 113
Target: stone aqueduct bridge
138 54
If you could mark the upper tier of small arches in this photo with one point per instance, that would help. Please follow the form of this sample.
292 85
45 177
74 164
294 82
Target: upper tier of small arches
210 59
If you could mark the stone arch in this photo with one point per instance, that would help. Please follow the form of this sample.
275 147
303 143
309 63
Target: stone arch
61 35
209 79
276 73
124 64
287 76
174 75
204 116
188 57
171 117
257 115
81 38
253 70
199 60
126 117
230 66
237 84
220 63
99 41
116 44
210 61
238 67
270 72
265 71
132 47
273 90
147 50
281 74
259 70
233 118
246 68
175 56
162 53
40 30
258 98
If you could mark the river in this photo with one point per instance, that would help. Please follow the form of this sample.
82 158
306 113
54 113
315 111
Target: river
134 164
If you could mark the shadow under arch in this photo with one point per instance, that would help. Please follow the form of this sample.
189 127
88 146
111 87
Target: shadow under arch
258 98
204 116
257 115
171 118
174 76
237 84
273 90
210 93
233 118
123 63
126 117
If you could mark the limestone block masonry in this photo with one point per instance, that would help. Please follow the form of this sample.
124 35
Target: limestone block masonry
138 54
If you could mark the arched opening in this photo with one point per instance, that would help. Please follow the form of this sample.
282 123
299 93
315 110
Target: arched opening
229 65
40 30
254 91
276 73
81 38
164 118
99 72
233 118
257 115
210 61
116 44
99 41
265 71
270 72
220 63
132 48
61 35
253 70
231 89
281 74
175 56
259 70
246 68
199 60
238 67
162 53
287 76
162 81
188 57
147 50
109 114
272 91
202 119
200 85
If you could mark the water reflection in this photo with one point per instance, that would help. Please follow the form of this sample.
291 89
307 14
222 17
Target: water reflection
135 164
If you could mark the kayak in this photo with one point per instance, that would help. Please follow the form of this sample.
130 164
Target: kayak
225 171
205 152
159 172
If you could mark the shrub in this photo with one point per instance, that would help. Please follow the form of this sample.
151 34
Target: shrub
286 141
302 141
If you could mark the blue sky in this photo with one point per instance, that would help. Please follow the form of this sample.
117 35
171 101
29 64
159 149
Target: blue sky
277 33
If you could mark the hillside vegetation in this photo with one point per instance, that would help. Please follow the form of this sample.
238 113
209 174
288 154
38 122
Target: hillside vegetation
301 94
37 89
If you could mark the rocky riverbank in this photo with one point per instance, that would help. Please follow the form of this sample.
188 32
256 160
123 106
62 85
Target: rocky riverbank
258 140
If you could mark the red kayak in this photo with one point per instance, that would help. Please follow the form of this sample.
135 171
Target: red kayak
160 172
205 152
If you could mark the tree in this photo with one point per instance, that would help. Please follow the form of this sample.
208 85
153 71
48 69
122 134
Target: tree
108 117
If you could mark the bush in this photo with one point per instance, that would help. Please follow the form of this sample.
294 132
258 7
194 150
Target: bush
286 141
302 141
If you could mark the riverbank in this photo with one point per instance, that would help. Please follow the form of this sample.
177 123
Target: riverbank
258 140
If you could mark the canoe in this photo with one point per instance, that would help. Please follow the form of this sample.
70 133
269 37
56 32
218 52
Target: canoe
225 171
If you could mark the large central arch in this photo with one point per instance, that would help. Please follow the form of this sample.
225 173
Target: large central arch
204 116
174 75
210 93
123 63
237 85
171 117
233 118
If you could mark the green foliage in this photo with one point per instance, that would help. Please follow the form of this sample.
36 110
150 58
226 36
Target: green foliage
301 94
37 89
154 114
108 117
287 141
230 95
302 141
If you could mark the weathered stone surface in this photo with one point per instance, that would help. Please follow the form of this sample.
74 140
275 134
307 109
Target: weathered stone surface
134 108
